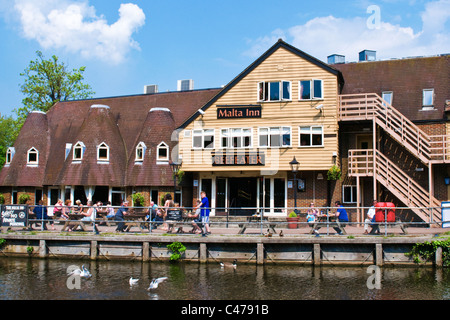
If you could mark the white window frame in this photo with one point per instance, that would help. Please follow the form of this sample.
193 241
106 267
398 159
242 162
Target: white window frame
262 90
427 106
79 145
202 133
353 193
240 133
312 91
270 131
10 152
141 146
311 133
388 93
33 150
160 146
103 146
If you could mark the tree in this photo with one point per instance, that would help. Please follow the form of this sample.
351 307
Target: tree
8 134
48 82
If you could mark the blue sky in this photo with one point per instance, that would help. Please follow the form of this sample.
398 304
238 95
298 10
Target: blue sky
128 44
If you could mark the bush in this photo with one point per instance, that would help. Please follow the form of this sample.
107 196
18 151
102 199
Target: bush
334 173
138 199
177 249
292 215
2 199
24 198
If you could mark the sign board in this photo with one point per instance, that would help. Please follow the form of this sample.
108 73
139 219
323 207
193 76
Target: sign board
14 215
239 112
174 215
238 159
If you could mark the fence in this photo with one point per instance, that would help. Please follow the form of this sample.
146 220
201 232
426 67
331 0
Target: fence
147 219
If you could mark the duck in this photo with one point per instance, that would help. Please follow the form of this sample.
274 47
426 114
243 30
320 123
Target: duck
229 264
268 234
155 282
133 281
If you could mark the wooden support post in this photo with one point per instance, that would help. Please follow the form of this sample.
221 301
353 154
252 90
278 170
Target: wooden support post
94 250
379 254
316 254
203 255
260 253
438 260
43 249
145 251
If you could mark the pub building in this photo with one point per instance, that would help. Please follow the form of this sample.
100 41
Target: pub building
265 142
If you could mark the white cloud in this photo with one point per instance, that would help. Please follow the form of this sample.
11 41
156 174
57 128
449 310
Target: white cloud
74 26
324 36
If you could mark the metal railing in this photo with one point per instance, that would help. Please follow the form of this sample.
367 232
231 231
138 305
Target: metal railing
259 219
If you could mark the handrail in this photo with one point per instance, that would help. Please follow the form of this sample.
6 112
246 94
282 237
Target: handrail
390 175
369 106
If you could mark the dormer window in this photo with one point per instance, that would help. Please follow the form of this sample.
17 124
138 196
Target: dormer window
33 156
10 155
162 152
78 151
140 152
103 152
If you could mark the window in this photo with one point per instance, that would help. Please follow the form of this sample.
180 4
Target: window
33 156
78 151
236 138
162 152
310 89
10 155
274 91
275 137
103 152
349 194
311 136
140 152
203 139
387 96
428 98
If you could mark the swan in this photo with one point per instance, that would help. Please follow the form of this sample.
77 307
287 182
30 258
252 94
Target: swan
133 281
155 282
85 272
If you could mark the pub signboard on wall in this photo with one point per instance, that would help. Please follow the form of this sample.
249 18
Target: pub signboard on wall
14 215
238 111
238 159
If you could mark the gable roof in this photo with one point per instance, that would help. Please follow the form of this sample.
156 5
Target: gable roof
279 44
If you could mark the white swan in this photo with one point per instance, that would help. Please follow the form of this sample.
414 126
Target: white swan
85 272
228 264
133 281
155 282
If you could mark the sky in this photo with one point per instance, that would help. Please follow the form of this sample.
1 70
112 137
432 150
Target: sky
127 45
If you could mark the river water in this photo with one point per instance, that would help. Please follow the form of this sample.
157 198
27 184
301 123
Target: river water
36 279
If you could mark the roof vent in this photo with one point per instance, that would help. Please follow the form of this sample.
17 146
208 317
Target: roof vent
367 55
153 88
335 59
185 85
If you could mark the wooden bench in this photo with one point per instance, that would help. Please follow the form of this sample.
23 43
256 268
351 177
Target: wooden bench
256 221
327 222
376 226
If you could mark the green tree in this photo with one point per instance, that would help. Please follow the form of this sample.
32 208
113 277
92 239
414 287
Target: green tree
48 82
8 134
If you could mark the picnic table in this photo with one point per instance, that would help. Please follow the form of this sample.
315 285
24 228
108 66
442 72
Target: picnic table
177 218
74 221
255 220
134 219
327 221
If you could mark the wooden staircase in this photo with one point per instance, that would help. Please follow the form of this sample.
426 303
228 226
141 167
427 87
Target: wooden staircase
419 200
428 149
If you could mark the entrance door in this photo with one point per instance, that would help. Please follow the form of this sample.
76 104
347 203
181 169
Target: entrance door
243 196
364 141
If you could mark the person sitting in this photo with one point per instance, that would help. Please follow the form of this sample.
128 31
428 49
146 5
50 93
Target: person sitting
120 216
341 215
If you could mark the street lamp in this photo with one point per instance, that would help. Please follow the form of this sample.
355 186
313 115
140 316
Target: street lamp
175 168
294 168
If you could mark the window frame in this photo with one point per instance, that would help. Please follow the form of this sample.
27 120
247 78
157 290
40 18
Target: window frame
33 150
353 193
227 134
141 146
202 133
428 106
391 93
79 145
10 152
103 146
270 134
311 139
264 91
161 146
311 90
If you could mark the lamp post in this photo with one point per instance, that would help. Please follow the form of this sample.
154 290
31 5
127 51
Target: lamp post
294 168
175 168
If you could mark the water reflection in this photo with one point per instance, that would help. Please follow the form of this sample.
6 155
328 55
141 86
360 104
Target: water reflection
47 280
